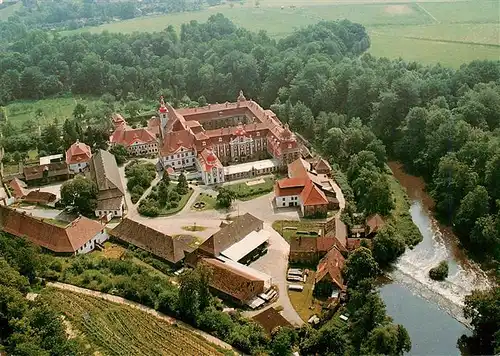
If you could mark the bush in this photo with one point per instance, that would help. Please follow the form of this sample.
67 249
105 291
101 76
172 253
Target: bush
149 207
440 272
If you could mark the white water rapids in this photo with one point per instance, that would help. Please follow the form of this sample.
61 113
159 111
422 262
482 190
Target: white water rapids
413 267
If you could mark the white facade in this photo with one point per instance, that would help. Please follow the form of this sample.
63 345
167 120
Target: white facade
182 158
115 213
78 167
214 176
90 245
287 200
141 148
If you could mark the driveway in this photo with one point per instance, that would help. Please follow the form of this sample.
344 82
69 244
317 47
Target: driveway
275 264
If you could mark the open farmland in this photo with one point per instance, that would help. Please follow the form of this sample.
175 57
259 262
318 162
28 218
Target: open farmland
8 11
60 108
449 32
113 329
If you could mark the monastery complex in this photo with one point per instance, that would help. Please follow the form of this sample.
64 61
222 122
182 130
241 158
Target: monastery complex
220 141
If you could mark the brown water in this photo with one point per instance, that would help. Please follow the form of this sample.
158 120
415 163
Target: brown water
430 310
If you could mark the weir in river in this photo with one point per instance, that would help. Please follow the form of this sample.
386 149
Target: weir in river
430 310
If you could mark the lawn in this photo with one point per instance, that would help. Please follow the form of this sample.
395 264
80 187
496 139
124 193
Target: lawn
303 302
113 329
449 32
209 201
245 191
289 228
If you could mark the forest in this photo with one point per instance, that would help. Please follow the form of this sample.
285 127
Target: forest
357 110
70 14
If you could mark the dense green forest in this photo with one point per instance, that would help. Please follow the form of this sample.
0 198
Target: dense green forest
70 14
355 109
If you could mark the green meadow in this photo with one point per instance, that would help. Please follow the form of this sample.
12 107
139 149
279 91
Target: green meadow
19 112
451 32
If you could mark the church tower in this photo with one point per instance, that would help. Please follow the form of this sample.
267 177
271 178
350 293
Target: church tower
163 113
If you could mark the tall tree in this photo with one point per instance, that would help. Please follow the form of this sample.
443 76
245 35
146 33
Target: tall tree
81 194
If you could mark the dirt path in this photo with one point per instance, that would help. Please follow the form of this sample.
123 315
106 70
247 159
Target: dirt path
151 311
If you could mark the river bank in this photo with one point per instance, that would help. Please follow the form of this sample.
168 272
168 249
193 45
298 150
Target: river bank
430 310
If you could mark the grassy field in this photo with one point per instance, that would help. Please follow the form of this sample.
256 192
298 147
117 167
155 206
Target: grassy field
449 32
113 329
210 202
19 112
245 191
9 11
289 228
304 302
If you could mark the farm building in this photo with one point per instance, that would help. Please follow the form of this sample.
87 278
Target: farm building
38 197
239 230
104 173
310 249
306 188
271 319
46 172
79 236
372 225
164 246
328 280
17 188
234 281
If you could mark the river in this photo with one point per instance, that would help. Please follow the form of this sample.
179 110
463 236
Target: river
431 311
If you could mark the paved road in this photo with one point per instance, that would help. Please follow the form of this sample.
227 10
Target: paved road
275 263
145 309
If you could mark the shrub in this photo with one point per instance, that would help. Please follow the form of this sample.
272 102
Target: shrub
440 272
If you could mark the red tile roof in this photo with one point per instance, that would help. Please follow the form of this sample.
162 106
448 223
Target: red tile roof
312 195
355 243
286 192
209 160
292 182
299 168
53 170
303 244
117 119
174 140
230 234
330 267
270 319
126 136
374 223
18 186
36 196
231 281
59 239
78 152
149 239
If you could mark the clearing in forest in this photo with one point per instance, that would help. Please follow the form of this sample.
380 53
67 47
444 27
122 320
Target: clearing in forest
114 329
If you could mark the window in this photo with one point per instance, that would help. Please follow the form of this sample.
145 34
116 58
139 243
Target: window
220 139
258 133
203 143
